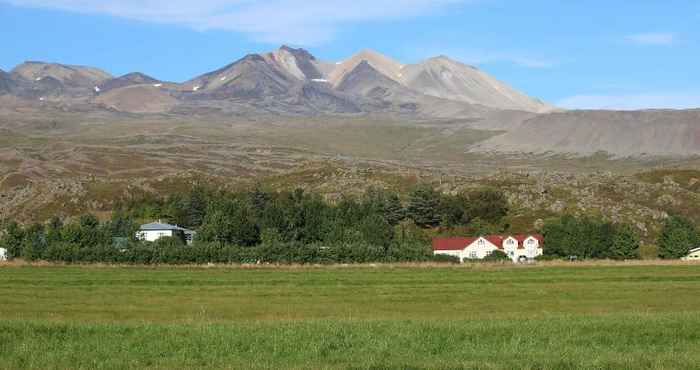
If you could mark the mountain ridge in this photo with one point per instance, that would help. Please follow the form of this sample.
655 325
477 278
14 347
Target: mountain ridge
280 74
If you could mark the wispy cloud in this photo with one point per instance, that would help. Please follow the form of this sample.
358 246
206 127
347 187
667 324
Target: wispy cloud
652 38
660 100
301 22
485 57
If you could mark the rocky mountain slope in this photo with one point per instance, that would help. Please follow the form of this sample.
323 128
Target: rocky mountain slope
286 80
619 133
290 82
131 79
445 78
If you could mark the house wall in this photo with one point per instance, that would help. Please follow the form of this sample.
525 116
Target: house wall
480 248
153 235
3 254
693 256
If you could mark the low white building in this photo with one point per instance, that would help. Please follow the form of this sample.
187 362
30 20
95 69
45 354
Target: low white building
517 247
693 255
3 254
156 230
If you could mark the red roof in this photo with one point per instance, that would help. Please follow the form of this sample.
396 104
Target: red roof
460 243
452 244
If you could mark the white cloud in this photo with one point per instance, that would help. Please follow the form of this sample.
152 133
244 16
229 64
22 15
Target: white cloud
484 57
662 100
301 22
652 38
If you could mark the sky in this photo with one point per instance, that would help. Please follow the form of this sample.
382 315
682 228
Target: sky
574 54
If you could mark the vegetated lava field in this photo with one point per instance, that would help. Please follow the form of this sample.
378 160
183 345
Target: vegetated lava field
482 317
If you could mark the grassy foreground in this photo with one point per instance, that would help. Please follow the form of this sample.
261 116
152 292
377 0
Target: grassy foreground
662 341
608 317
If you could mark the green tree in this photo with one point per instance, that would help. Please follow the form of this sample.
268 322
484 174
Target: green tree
678 236
230 223
34 243
423 206
394 212
625 244
453 210
488 205
377 231
53 230
197 207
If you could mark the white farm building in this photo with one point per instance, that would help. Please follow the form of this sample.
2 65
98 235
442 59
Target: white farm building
156 230
517 247
693 255
3 254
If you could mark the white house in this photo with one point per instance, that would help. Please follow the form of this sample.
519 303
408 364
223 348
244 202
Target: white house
693 255
517 247
3 254
156 230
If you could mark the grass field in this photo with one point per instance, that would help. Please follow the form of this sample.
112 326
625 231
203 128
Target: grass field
604 317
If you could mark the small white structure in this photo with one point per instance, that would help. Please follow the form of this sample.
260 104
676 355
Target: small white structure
156 230
693 255
517 247
3 254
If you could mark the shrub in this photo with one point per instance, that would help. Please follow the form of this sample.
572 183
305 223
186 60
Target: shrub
443 258
497 256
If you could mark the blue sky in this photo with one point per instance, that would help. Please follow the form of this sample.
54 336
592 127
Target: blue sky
579 54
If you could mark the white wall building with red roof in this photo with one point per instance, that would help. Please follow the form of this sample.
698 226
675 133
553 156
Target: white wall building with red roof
517 247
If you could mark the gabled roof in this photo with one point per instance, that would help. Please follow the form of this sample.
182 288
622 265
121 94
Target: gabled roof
157 226
452 244
521 238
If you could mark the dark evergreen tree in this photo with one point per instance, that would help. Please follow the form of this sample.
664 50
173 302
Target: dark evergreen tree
259 199
625 244
53 230
423 206
488 205
394 212
678 236
197 207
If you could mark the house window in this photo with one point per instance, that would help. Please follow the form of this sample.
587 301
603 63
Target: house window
481 242
161 235
472 255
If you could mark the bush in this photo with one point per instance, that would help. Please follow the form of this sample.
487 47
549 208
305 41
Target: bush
443 258
497 256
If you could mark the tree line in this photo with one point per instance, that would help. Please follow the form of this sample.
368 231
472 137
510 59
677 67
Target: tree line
301 227
590 238
258 225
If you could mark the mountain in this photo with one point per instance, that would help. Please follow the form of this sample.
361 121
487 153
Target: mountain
290 82
284 81
131 79
68 75
619 133
7 83
382 64
445 78
145 98
259 75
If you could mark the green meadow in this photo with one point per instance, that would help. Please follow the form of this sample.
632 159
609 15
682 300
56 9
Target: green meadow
385 317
